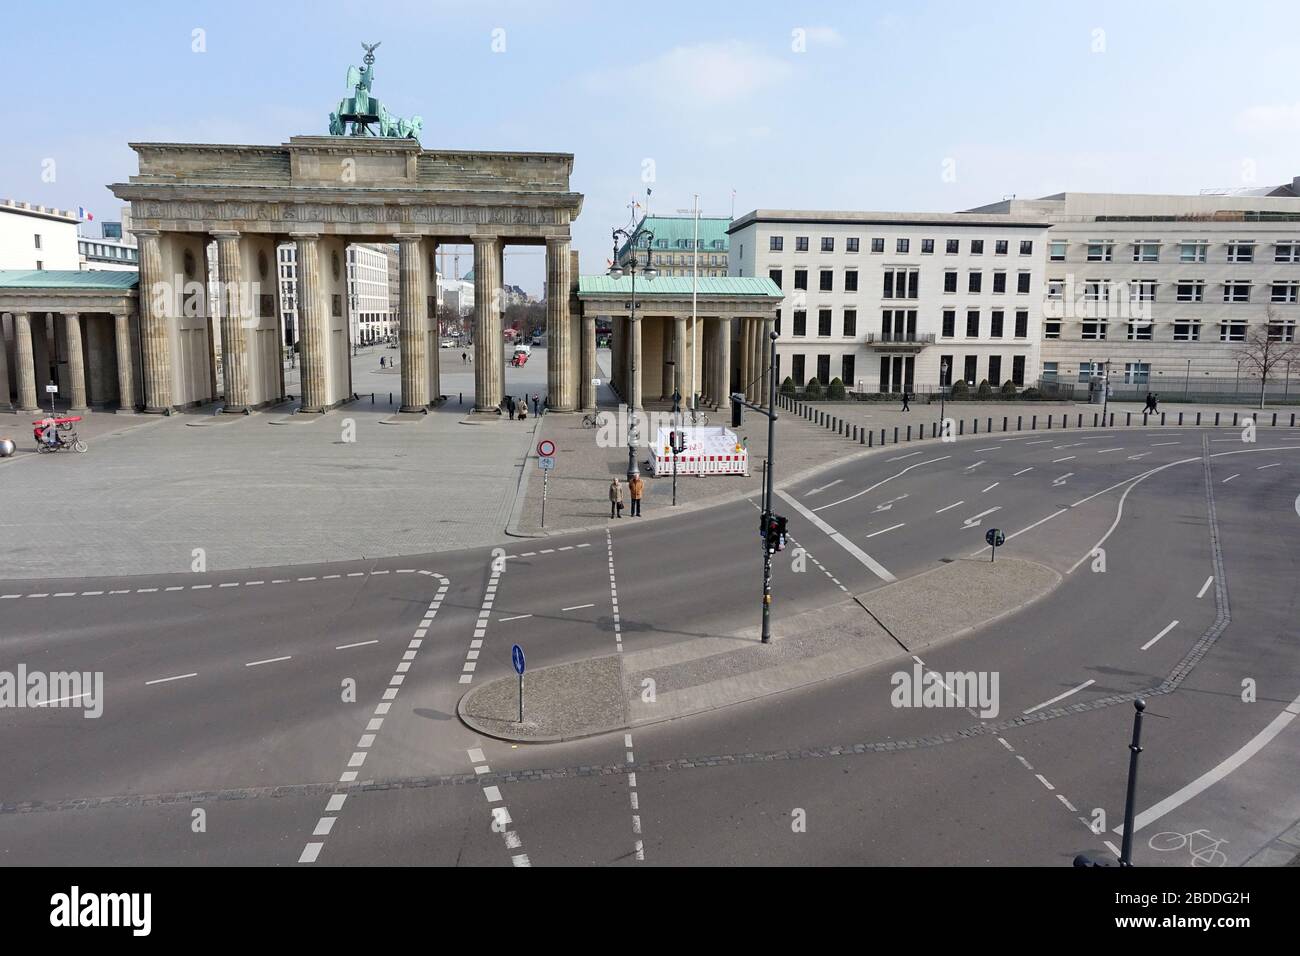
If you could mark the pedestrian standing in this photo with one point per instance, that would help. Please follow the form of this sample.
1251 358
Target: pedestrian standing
906 407
510 406
615 498
462 358
636 488
523 411
537 403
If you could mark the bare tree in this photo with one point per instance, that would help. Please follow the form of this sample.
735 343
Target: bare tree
1265 349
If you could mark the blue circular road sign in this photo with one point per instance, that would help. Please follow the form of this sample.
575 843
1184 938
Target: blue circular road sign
517 656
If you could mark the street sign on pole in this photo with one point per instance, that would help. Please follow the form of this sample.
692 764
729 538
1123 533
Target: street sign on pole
517 658
546 448
995 539
546 464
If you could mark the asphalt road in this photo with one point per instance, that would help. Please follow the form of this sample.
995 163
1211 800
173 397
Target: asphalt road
305 715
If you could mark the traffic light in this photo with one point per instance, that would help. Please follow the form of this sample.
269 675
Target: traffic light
772 530
736 412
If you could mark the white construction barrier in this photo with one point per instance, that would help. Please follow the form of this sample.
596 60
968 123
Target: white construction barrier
710 450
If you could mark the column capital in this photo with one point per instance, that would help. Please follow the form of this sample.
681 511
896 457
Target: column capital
486 241
224 233
146 233
408 237
557 240
304 236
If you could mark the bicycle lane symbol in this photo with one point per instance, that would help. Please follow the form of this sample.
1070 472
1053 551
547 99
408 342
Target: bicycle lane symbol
1200 844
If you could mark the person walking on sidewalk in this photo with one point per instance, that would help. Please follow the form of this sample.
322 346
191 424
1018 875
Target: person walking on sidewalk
523 411
537 402
906 407
615 498
510 406
636 488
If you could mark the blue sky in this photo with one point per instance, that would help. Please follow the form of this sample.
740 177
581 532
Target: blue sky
1009 97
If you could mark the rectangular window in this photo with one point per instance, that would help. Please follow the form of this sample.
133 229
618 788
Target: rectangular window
902 246
1142 290
1022 283
1281 331
1241 252
995 370
796 369
1096 290
851 280
1285 291
1185 331
1190 290
850 323
1056 251
1100 250
846 370
1022 323
945 371
999 283
949 324
1018 371
1146 250
1140 331
801 278
972 323
1089 371
977 247
824 322
1196 250
913 284
1056 288
1232 332
38 240
974 282
823 369
1051 328
950 282
995 324
827 281
1049 371
778 322
888 291
999 247
1094 331
1236 291
851 244
952 246
972 367
877 245
800 322
1137 373
775 276
901 284
1026 247
800 243
927 247
1286 252
775 243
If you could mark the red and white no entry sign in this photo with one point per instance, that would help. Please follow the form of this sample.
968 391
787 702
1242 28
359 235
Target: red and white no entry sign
546 448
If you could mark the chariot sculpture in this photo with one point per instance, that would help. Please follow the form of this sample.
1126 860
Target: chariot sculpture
361 114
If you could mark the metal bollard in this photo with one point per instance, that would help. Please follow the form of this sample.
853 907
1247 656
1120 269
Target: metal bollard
1216 419
909 432
1081 419
1049 423
1180 418
1128 419
975 426
961 426
1234 419
1094 419
862 436
895 434
1162 418
1004 422
1198 418
990 427
1018 419
871 439
1275 419
882 438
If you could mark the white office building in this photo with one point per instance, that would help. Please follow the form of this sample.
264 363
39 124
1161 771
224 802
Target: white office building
370 314
884 301
37 237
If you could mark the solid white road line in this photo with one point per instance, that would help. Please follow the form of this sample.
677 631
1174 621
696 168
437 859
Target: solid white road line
163 680
883 530
956 503
344 647
517 617
1274 465
901 457
1059 697
1208 779
991 487
1024 529
576 607
816 491
1205 587
871 563
1172 625
859 494
1230 477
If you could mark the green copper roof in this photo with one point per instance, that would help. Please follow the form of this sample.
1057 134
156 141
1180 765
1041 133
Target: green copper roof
713 286
68 279
675 233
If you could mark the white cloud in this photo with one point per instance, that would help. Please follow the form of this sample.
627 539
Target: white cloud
825 36
1270 118
700 77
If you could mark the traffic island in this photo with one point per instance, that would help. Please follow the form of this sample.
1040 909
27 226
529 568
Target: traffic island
563 702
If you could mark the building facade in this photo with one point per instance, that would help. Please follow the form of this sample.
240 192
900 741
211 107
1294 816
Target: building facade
1161 292
368 295
675 249
37 237
884 301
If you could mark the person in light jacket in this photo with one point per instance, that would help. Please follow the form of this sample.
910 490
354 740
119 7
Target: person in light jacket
615 499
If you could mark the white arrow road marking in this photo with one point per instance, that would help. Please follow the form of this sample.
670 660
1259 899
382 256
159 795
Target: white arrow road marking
871 563
887 505
1170 627
1210 778
859 494
956 503
1061 480
823 488
1142 454
1059 697
974 519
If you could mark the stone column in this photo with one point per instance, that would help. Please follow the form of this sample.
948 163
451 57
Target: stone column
589 371
756 333
666 355
311 324
234 322
434 321
4 366
682 378
635 371
157 300
125 364
412 329
768 327
745 361
723 370
76 364
489 366
24 363
560 356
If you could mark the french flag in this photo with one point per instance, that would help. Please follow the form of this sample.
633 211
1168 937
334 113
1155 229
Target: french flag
83 214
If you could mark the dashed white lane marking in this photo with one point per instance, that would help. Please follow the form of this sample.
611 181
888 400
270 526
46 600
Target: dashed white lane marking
1112 847
480 625
991 487
1022 471
638 845
164 680
269 660
1141 454
949 507
811 557
613 593
1159 443
892 527
325 824
901 457
882 481
994 448
1044 441
577 607
1068 805
1211 777
1230 477
1169 627
976 465
1061 480
817 491
1059 697
517 617
1103 451
1205 587
1057 461
344 647
501 820
1273 465
871 563
1043 781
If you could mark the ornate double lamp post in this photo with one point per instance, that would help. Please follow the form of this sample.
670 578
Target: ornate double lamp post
635 237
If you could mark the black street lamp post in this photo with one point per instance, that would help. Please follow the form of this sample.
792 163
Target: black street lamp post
636 235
